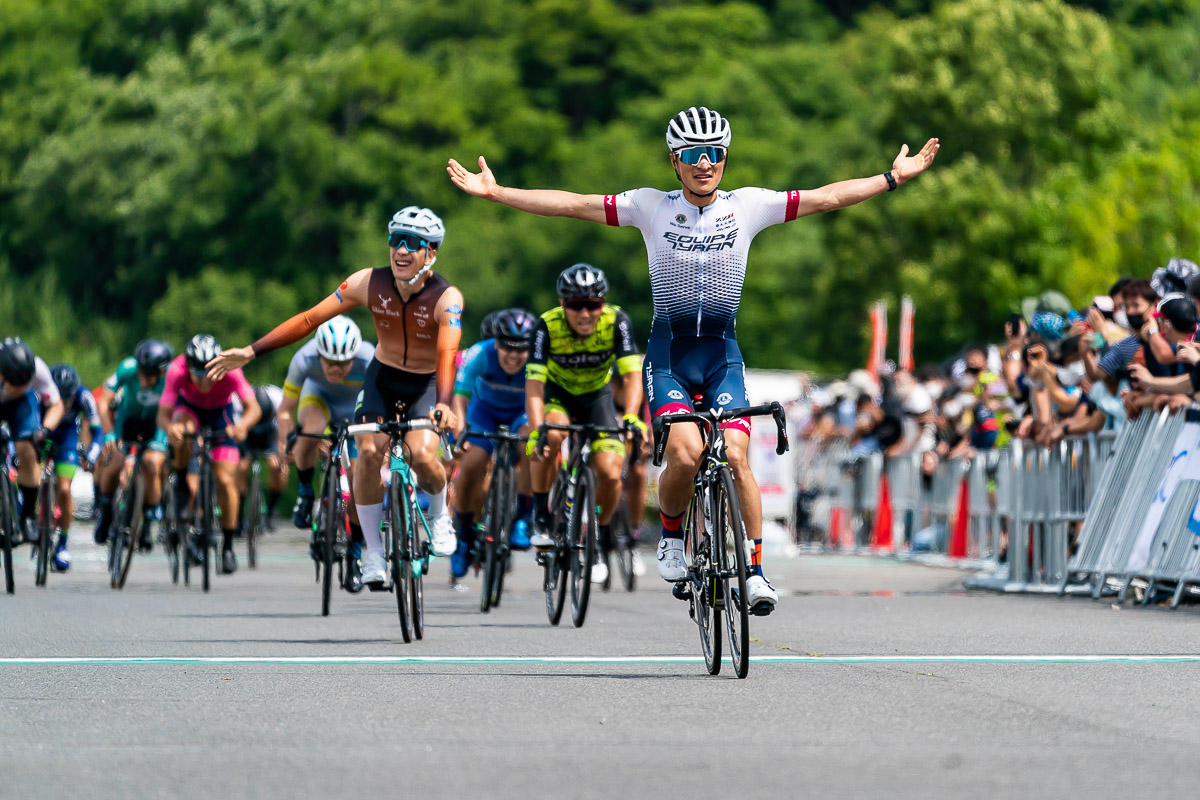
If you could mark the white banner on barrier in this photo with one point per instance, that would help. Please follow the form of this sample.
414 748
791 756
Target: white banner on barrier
1185 465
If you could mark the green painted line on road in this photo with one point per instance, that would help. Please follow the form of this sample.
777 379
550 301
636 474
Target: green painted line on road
614 660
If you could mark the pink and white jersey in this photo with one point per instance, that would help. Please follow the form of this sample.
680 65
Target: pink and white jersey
180 387
698 255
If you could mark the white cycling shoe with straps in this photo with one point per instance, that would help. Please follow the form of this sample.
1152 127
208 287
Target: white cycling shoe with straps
671 566
444 541
761 594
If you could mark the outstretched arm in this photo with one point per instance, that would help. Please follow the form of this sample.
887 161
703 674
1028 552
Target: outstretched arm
351 293
543 202
848 193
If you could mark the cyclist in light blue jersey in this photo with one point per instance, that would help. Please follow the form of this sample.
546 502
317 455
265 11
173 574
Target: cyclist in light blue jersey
79 411
490 392
697 239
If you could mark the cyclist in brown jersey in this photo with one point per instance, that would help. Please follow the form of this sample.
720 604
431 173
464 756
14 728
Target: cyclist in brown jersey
418 319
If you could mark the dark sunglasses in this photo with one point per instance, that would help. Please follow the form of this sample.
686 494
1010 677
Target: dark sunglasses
410 243
692 155
515 347
583 305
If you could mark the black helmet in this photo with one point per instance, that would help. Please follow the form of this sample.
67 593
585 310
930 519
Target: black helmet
582 281
514 328
153 355
487 328
264 402
202 349
17 363
66 379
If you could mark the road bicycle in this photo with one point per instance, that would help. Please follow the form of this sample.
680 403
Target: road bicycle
715 541
407 535
331 523
126 530
492 550
573 524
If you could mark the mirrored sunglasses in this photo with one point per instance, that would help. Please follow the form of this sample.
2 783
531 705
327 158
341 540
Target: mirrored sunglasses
406 240
692 155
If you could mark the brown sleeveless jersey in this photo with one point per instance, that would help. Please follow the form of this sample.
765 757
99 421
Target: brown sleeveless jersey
407 331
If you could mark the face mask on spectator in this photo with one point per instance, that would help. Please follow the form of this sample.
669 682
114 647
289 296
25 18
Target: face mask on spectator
1120 318
1071 374
1136 321
967 380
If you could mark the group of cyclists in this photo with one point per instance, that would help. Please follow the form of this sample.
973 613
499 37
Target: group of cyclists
576 363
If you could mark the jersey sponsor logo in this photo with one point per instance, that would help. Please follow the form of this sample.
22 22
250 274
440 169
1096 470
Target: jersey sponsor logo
383 323
455 309
702 244
724 399
382 308
725 222
675 394
681 219
580 360
454 323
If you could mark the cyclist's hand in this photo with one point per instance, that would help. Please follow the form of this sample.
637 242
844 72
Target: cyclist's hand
531 446
237 432
631 423
92 456
109 448
448 420
481 184
907 167
175 433
228 361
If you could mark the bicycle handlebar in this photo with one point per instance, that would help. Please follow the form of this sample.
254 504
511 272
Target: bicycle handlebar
553 426
717 416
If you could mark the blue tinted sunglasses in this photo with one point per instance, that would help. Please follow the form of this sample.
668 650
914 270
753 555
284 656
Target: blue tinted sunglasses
692 155
406 240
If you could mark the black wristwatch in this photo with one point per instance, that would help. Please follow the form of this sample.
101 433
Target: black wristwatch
891 179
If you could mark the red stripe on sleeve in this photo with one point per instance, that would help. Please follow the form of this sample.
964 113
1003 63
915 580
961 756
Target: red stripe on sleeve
793 206
610 210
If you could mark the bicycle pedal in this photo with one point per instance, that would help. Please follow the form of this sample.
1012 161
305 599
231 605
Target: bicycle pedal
378 586
762 608
681 591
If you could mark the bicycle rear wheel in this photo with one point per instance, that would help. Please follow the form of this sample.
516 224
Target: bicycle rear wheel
705 586
168 530
420 548
131 527
253 515
401 560
8 531
488 556
45 520
555 563
204 507
730 540
622 532
508 499
581 544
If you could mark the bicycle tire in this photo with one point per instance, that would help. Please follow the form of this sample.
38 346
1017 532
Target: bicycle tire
554 579
8 530
253 515
333 518
45 527
503 548
731 544
698 552
131 527
581 540
204 503
622 532
419 547
401 565
117 534
170 530
489 556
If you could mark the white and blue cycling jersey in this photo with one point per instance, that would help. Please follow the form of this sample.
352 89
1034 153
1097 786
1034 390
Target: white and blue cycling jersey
495 397
81 409
307 383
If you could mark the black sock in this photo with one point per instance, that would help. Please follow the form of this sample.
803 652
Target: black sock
356 532
272 501
466 526
227 536
541 505
605 536
306 478
28 501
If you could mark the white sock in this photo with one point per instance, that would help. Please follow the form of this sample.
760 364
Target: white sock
369 517
437 503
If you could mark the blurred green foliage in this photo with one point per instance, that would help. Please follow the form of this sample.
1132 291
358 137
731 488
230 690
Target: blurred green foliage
172 166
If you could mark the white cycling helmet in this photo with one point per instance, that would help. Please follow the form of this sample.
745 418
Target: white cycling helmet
338 339
697 126
419 222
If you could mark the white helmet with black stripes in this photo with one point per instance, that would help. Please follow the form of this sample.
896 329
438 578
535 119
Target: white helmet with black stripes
697 126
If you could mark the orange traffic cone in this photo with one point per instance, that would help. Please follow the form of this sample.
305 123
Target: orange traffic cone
881 532
958 539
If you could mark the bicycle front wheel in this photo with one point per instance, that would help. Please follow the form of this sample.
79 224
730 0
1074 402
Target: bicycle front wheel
555 562
401 556
204 507
254 516
730 541
8 531
131 527
705 586
581 544
333 519
622 532
45 528
170 529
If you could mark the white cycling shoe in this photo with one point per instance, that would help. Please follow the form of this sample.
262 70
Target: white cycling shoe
444 540
639 566
374 567
671 566
761 594
599 572
541 538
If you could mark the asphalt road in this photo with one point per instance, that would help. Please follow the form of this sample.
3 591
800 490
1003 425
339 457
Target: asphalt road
622 706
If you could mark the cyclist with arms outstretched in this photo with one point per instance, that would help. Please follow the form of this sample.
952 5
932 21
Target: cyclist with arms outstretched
697 240
418 320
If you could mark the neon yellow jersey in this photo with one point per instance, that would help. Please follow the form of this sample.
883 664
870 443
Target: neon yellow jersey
579 365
